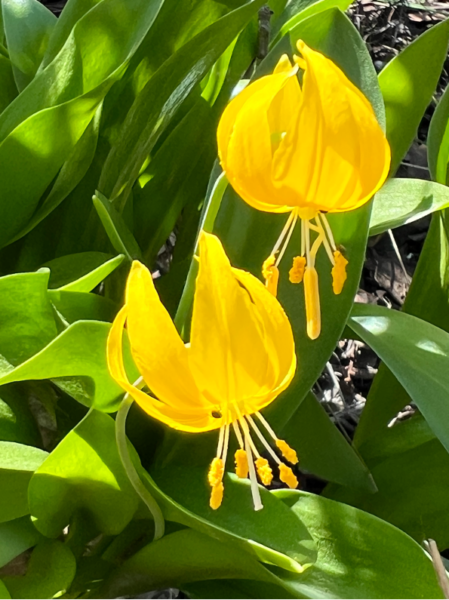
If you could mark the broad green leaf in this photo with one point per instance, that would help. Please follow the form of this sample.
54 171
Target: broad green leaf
408 83
37 141
79 351
17 424
8 89
334 460
157 103
83 473
181 557
308 11
81 272
16 537
410 467
50 572
71 173
117 231
249 236
358 555
28 26
438 140
27 322
402 201
17 464
79 306
417 354
428 299
3 591
234 588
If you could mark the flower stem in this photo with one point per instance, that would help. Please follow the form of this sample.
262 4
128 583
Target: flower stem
136 482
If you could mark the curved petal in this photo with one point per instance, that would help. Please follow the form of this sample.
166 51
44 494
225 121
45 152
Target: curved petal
256 134
335 154
228 356
278 336
156 347
194 420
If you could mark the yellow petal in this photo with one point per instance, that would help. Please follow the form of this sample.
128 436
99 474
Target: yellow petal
278 340
227 353
193 420
157 349
335 155
256 131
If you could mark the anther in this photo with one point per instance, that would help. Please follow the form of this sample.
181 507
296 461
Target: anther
271 275
216 472
312 301
296 273
287 452
241 464
264 471
287 476
216 496
339 272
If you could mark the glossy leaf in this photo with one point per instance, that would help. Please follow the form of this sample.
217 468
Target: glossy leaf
410 467
334 460
408 83
28 26
81 272
248 235
17 423
420 365
79 306
17 464
79 351
402 201
116 229
157 103
25 327
50 571
438 140
179 558
83 473
16 537
3 591
8 89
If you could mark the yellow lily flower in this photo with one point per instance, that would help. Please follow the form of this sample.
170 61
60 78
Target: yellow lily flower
241 356
306 150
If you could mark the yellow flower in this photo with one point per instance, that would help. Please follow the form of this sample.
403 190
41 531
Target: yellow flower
305 149
241 356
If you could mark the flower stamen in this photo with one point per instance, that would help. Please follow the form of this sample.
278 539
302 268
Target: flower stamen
216 469
252 474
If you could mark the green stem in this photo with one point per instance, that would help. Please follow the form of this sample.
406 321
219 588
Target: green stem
136 482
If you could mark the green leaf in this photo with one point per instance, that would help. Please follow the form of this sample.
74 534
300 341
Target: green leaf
410 467
402 201
83 473
3 591
79 306
25 326
117 231
17 424
416 352
159 100
8 89
234 588
307 11
335 460
16 537
181 557
81 272
28 26
408 83
358 555
17 464
249 236
50 571
438 140
79 351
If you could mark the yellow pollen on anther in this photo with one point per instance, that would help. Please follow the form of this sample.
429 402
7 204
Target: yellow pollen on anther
271 274
216 496
241 464
264 471
287 452
312 300
287 476
339 272
216 472
296 273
